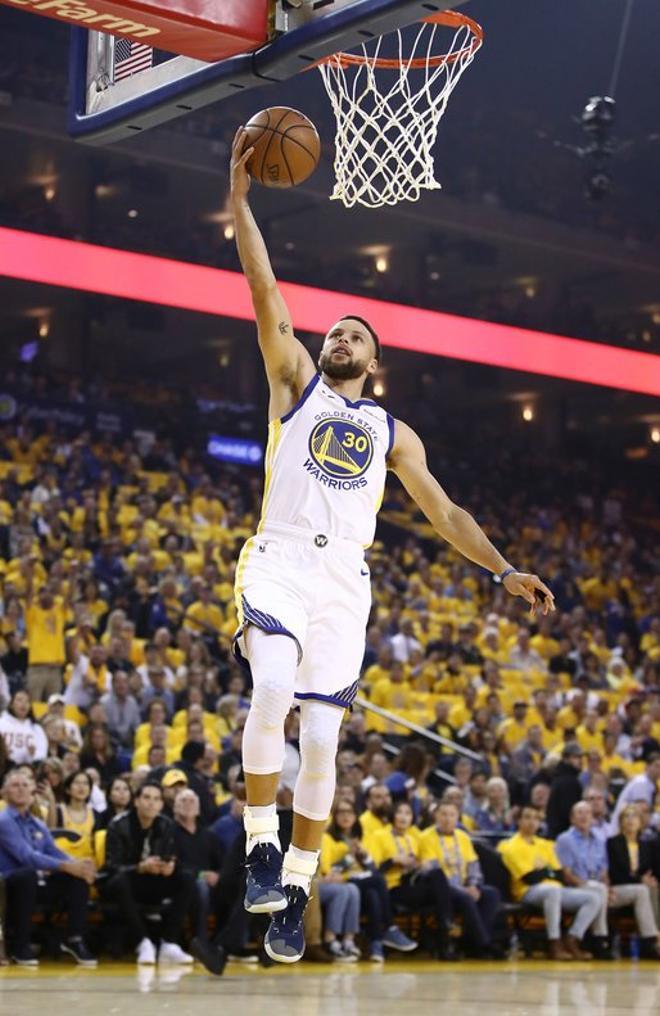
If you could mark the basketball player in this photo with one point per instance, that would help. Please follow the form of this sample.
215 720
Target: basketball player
302 584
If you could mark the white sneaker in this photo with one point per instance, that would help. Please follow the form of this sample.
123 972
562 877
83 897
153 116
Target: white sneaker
170 952
146 951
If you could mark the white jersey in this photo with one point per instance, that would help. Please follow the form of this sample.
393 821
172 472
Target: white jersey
326 465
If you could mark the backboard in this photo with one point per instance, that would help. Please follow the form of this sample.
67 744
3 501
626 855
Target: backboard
120 87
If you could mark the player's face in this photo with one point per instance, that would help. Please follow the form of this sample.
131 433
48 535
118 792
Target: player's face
348 351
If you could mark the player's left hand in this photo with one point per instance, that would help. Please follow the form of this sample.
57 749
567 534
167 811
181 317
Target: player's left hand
531 589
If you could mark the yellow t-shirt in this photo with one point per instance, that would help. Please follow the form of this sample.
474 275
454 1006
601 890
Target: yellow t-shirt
520 857
82 849
204 618
386 845
453 853
141 755
391 695
513 733
45 633
587 741
371 824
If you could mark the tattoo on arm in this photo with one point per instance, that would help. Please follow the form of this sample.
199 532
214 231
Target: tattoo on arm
283 327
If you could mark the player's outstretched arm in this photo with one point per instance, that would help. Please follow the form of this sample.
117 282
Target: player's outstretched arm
453 523
288 364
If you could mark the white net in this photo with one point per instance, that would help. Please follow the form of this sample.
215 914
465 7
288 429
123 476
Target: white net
388 111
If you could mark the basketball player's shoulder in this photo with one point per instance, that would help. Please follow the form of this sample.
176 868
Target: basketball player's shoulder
406 444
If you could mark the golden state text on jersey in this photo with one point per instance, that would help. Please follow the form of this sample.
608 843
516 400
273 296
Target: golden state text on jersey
326 464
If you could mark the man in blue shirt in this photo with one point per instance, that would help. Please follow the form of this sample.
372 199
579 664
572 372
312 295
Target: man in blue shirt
584 860
36 871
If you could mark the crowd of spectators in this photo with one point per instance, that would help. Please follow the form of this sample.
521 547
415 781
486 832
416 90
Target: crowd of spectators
122 717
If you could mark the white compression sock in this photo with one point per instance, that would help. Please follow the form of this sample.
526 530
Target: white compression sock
261 826
300 867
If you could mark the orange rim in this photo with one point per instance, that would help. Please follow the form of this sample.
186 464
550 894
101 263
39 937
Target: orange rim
452 19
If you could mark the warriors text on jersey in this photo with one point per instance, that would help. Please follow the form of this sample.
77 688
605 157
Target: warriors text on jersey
326 464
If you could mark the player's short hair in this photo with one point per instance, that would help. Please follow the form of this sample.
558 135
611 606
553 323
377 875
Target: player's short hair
372 333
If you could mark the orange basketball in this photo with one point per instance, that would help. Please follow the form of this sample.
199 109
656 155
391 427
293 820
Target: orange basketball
286 146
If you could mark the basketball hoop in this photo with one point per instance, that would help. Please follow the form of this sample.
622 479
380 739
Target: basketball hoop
387 122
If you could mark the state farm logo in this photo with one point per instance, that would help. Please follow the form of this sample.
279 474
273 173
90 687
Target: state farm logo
74 10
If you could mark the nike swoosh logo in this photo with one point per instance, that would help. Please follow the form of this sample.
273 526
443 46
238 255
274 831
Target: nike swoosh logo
363 572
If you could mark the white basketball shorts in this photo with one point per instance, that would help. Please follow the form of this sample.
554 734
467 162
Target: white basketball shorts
315 589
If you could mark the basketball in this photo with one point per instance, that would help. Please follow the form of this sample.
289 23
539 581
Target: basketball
286 146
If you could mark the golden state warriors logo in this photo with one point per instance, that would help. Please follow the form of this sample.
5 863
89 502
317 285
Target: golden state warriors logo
341 448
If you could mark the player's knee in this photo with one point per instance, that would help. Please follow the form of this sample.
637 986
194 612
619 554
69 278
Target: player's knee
318 752
271 700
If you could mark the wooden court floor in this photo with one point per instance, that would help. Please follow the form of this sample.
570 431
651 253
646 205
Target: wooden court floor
401 988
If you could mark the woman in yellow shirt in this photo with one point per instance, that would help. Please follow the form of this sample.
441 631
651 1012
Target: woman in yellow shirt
344 854
77 816
396 851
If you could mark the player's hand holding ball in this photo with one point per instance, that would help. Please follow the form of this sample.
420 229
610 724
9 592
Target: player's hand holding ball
240 154
279 147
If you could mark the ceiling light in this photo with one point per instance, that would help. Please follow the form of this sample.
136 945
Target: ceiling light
379 389
434 276
133 213
528 414
49 192
229 231
655 435
44 329
656 318
381 264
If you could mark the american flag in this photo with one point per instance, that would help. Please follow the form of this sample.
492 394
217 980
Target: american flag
131 57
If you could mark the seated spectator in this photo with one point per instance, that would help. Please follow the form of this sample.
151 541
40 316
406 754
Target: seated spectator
119 801
343 853
443 727
97 752
227 711
76 815
536 880
14 663
597 801
528 757
141 867
404 643
198 854
56 708
631 866
172 783
49 782
496 816
640 788
446 847
24 739
122 710
377 770
476 798
90 679
396 852
36 871
523 657
193 765
515 731
456 796
160 737
408 778
378 810
155 716
230 824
